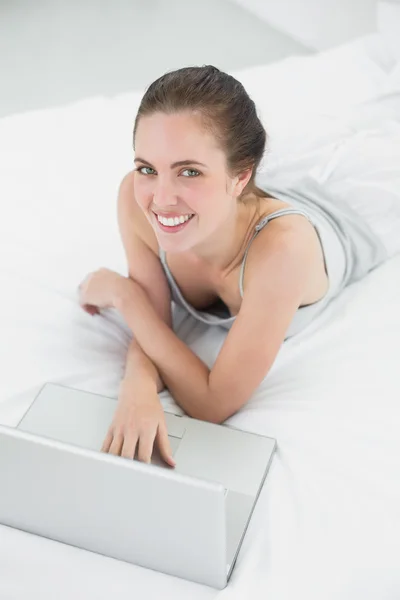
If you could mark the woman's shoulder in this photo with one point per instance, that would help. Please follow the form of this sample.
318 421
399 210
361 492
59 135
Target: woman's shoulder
130 211
288 234
274 218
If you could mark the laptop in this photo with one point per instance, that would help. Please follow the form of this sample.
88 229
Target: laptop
188 521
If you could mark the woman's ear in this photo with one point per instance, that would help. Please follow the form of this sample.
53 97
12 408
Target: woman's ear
241 181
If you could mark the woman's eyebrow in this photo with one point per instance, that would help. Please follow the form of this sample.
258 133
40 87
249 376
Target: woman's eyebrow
179 163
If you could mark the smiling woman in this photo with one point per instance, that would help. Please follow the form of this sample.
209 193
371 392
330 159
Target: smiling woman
225 244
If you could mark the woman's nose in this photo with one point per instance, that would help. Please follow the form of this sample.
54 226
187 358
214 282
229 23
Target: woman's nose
164 194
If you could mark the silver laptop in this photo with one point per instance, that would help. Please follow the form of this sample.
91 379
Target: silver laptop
188 521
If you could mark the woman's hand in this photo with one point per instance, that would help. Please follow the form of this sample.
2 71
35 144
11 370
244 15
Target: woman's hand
139 419
100 290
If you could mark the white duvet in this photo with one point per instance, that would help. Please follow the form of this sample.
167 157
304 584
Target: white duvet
327 522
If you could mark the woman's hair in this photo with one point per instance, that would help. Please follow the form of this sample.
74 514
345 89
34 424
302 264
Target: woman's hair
226 111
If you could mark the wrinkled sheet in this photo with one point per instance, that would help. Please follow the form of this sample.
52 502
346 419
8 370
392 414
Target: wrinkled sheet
327 522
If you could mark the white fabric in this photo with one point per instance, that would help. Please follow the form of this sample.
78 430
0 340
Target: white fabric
388 13
327 523
364 172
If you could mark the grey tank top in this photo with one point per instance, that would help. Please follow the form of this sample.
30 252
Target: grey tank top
349 247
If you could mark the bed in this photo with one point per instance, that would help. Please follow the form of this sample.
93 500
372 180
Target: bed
327 522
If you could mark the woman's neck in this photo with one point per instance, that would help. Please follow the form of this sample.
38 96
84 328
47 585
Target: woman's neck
224 251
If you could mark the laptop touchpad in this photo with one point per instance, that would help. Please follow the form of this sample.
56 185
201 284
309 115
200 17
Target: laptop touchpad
156 458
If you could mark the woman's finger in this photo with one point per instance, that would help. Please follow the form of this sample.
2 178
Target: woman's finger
129 445
146 443
164 444
107 441
116 444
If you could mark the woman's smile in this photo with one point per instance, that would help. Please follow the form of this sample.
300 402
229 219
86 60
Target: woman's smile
173 225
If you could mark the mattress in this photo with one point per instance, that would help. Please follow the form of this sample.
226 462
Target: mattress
327 522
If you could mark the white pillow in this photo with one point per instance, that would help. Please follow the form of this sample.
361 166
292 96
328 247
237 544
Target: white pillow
388 14
304 101
394 80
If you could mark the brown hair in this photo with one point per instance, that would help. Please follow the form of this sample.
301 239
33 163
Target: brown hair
226 111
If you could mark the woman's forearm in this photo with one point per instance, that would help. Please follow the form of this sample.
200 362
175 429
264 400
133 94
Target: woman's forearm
185 374
139 365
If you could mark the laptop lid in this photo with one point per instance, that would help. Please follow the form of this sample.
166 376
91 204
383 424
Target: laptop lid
143 514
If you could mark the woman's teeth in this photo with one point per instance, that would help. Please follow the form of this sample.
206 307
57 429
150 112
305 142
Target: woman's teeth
173 221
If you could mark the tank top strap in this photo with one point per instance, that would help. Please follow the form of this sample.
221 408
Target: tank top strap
259 227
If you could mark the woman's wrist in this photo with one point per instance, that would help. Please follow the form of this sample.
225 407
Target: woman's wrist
141 381
145 380
124 292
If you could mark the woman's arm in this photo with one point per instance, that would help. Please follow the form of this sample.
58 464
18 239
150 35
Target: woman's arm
276 283
180 369
138 366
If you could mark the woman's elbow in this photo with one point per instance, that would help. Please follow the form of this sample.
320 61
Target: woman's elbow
210 414
220 412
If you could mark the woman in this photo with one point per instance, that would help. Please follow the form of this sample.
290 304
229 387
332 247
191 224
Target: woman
200 226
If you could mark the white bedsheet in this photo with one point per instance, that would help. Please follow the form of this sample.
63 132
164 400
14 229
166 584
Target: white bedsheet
327 523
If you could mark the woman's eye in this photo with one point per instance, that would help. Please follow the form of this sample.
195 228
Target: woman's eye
140 169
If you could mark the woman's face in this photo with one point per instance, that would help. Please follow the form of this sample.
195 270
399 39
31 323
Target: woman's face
202 192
